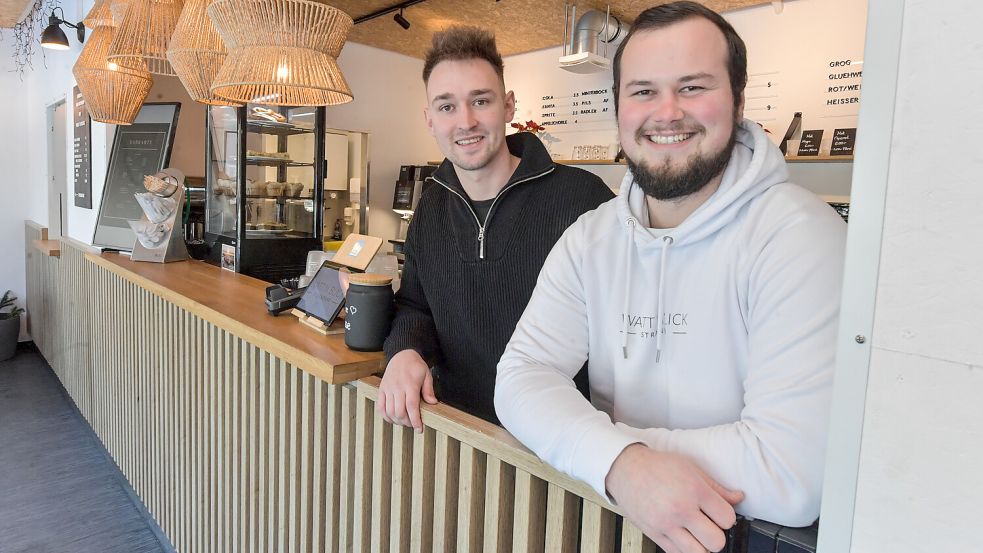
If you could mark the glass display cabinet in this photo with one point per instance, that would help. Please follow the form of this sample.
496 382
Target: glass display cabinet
264 206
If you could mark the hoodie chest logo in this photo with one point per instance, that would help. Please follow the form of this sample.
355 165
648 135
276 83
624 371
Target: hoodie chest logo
646 326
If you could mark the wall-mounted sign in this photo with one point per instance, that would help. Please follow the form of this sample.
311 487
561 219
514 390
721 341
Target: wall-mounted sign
809 145
82 151
843 141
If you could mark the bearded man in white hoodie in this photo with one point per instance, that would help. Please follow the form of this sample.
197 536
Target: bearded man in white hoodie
705 297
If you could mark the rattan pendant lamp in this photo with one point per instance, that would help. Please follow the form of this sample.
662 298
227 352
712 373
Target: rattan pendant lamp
196 53
142 38
281 52
112 94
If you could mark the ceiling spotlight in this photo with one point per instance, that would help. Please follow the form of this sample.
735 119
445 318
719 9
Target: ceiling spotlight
398 18
54 38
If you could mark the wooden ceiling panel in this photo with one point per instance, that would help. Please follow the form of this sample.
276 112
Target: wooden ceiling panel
11 11
520 25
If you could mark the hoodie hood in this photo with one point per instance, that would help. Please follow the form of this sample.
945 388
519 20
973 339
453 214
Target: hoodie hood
755 166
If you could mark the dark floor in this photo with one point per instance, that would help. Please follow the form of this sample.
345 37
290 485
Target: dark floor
59 489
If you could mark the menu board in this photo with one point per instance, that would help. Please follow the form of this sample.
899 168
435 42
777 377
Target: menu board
82 151
140 149
811 140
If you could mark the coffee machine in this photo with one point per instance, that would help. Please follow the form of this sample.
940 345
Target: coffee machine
413 181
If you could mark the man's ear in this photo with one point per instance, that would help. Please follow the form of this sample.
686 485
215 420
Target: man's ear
428 119
739 112
509 106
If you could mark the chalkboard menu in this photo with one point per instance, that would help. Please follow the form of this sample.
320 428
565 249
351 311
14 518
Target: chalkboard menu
843 141
809 144
82 150
140 149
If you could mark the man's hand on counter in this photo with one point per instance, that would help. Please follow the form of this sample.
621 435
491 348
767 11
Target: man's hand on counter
406 380
671 500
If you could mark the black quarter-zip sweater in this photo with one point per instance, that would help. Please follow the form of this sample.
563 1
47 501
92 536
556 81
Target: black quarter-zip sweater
466 280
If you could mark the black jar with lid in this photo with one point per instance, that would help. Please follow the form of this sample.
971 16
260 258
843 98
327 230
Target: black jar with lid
368 311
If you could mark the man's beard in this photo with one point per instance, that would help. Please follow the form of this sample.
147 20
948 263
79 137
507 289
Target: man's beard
666 183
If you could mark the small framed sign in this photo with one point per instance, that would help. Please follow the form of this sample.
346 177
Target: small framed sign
809 145
843 141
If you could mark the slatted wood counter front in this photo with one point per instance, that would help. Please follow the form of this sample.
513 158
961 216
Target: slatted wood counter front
236 430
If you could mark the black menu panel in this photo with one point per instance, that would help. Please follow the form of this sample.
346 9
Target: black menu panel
140 149
82 151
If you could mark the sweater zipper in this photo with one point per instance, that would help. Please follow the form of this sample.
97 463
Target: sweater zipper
481 227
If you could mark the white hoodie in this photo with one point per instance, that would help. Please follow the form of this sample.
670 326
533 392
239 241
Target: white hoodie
731 330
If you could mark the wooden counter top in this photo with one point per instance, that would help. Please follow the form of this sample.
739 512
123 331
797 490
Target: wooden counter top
235 303
50 248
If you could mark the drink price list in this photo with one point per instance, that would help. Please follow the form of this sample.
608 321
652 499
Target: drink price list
578 110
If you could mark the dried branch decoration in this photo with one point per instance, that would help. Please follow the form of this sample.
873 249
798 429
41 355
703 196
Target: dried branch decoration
26 33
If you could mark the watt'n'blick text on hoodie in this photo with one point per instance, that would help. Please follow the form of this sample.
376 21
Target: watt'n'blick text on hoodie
714 340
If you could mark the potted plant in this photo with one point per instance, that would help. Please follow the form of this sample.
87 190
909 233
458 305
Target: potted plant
9 325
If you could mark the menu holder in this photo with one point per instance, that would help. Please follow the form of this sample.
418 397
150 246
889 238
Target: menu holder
158 240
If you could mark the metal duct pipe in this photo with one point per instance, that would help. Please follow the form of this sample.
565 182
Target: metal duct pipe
592 27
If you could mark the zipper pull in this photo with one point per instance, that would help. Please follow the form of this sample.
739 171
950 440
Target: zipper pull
481 242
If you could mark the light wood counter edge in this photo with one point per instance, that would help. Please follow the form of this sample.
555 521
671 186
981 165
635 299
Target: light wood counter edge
304 361
50 248
40 228
492 439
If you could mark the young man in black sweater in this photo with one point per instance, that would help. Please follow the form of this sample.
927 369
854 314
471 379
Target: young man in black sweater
478 238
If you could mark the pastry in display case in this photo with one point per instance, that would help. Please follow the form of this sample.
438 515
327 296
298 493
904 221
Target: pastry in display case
261 193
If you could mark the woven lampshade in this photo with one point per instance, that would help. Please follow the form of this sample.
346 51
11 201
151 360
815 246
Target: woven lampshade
118 9
112 94
196 53
281 52
100 14
142 38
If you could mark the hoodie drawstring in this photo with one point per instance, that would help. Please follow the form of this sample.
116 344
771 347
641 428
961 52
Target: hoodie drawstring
660 327
631 243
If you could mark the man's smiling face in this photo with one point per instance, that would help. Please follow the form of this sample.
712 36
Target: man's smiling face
467 112
676 115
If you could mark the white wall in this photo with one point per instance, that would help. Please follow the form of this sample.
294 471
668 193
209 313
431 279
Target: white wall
922 445
389 102
23 143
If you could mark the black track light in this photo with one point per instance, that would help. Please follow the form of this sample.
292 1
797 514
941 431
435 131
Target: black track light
398 18
54 38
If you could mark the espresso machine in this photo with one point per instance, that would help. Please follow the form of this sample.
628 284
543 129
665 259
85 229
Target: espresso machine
413 180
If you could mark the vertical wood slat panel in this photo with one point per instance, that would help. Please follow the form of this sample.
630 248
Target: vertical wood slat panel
499 505
362 509
633 541
402 489
201 439
294 482
562 513
243 415
284 440
447 467
338 432
424 482
597 529
347 477
305 482
471 500
381 510
530 514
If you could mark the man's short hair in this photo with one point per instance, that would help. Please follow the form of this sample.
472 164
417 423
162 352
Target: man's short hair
659 17
460 43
